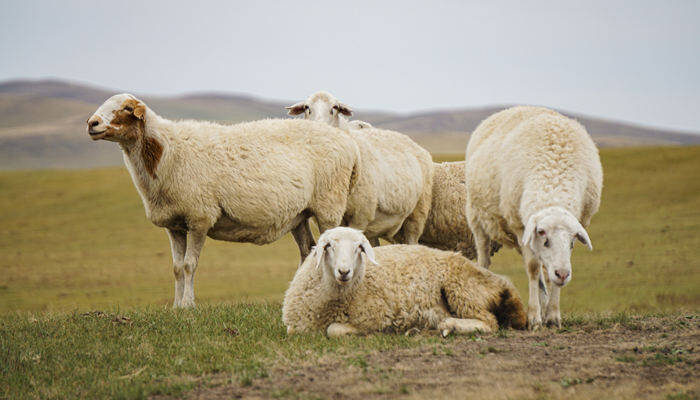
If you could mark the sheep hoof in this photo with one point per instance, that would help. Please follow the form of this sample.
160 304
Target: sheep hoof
412 332
534 323
445 333
553 321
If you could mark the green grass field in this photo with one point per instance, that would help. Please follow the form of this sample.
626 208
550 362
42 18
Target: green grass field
79 240
86 283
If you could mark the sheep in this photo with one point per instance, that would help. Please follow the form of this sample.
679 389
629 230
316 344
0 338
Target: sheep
347 287
446 227
397 175
533 180
357 124
250 182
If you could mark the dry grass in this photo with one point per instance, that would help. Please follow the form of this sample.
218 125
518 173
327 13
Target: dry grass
80 240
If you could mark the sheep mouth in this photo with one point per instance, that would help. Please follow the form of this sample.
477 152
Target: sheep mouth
95 135
343 280
562 283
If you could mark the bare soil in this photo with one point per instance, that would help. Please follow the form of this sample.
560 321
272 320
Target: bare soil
648 358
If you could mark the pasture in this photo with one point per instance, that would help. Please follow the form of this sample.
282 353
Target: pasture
86 284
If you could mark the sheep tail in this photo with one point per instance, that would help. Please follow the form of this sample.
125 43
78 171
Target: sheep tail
509 309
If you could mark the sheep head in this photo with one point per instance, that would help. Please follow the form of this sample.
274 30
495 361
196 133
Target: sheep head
550 234
119 119
322 107
342 253
357 124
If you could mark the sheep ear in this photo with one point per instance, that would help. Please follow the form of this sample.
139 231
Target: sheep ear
296 109
140 111
366 248
343 109
318 253
529 232
582 237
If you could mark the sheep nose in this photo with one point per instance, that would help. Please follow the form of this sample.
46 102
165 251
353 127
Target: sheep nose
93 123
561 274
344 272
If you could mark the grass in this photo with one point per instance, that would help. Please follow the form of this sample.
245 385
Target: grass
156 350
79 240
74 242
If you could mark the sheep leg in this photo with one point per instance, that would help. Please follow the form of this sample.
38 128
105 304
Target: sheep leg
553 316
463 326
195 242
544 292
337 330
304 238
483 247
178 244
532 267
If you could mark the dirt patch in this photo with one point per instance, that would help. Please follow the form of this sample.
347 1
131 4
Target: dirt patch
650 358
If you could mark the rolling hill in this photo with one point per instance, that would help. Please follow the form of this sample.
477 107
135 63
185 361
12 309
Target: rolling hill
42 123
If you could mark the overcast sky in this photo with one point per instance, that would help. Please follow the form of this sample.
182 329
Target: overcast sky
630 60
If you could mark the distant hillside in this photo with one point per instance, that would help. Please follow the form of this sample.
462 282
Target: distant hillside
42 123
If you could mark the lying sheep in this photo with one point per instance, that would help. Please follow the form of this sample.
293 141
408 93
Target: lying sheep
250 182
396 178
347 287
446 227
533 182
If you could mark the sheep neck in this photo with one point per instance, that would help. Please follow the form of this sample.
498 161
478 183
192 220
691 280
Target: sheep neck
559 193
144 155
339 294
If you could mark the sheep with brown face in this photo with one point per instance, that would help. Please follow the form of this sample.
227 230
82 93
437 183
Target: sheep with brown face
250 182
396 179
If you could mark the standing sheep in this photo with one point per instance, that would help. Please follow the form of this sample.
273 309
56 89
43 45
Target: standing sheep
446 227
533 181
396 178
347 287
357 124
250 182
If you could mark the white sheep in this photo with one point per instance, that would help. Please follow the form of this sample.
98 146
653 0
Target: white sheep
533 182
396 178
347 287
250 182
357 124
446 227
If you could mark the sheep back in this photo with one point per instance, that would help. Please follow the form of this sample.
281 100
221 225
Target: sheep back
254 178
524 159
396 175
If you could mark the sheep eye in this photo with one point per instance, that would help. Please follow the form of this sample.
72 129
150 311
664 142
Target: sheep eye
327 246
541 232
546 243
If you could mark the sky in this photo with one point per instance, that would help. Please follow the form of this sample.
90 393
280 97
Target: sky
631 61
